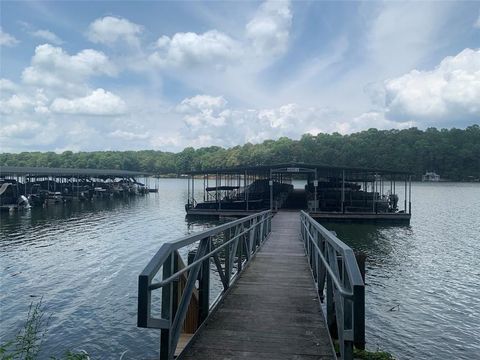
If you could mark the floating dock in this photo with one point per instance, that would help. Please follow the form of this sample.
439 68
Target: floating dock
330 193
271 312
289 288
32 186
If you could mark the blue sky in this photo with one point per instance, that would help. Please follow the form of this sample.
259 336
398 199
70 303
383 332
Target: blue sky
116 75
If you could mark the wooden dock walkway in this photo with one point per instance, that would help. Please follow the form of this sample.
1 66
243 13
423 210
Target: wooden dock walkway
272 311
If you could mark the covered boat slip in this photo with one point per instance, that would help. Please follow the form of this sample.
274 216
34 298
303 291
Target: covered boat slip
329 193
42 185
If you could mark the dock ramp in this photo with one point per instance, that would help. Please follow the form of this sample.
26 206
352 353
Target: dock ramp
274 271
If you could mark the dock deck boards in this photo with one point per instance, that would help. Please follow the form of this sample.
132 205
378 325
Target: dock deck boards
272 311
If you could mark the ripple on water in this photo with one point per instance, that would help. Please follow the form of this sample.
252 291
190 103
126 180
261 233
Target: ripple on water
422 280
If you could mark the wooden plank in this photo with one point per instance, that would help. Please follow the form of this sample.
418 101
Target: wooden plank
182 342
272 312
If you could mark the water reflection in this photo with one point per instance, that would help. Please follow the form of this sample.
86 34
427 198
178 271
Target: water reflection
375 241
84 260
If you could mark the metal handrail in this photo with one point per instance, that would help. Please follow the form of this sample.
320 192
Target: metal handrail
241 239
196 262
333 264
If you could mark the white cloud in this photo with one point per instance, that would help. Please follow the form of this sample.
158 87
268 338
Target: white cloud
52 67
209 121
187 49
449 92
127 135
47 35
20 129
202 103
28 135
6 39
203 110
266 35
7 86
372 119
110 30
270 27
99 102
477 23
22 102
16 103
402 34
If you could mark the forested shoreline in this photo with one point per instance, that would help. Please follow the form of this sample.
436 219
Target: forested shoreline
452 153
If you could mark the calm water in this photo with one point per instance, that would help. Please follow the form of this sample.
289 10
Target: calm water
423 280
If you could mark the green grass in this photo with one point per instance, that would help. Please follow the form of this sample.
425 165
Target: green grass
372 355
367 355
28 342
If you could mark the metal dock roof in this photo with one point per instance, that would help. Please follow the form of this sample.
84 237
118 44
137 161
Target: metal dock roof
46 171
319 167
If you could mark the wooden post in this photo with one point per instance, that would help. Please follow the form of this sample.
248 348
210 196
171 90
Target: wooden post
361 258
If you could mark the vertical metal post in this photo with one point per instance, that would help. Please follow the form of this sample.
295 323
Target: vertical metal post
188 192
410 195
245 188
240 242
193 190
405 197
315 187
271 190
359 316
343 191
330 306
204 286
228 270
216 187
218 182
167 309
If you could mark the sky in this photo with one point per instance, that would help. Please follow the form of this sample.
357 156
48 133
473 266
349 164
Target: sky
130 75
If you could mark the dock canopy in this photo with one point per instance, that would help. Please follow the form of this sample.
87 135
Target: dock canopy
296 168
348 192
65 172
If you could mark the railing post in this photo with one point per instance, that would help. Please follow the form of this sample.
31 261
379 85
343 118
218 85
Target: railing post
321 271
359 316
347 329
144 300
167 310
204 286
175 299
240 243
228 269
331 323
263 226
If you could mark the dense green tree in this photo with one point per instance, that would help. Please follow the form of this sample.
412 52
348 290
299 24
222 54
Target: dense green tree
453 153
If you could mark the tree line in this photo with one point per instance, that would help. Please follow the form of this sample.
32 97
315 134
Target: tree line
452 153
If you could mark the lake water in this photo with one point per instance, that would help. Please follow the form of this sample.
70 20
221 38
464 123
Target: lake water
423 280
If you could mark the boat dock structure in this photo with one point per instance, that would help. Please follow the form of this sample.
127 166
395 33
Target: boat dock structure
330 193
41 186
266 286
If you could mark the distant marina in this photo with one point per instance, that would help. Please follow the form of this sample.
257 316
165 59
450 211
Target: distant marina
23 187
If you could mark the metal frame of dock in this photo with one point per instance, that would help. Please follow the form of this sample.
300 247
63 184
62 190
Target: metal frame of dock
373 182
274 274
